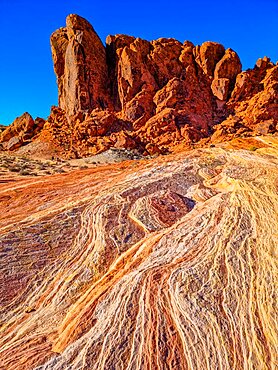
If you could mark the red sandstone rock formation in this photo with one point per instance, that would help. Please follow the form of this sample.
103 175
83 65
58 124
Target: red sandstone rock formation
21 131
166 263
80 65
158 96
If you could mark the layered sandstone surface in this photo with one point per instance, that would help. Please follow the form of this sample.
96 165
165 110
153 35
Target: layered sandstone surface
166 263
162 263
157 96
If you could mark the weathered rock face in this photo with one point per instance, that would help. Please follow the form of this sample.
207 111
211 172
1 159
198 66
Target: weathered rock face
80 65
166 92
253 105
225 73
161 94
2 128
19 127
207 55
21 131
261 87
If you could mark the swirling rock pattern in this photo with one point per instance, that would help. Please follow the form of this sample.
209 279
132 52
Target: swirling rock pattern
160 264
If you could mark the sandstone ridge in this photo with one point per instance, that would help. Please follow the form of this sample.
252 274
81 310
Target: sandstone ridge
159 96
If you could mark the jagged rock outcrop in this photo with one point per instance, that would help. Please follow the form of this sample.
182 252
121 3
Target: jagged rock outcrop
21 131
208 55
80 65
2 128
166 93
253 105
161 94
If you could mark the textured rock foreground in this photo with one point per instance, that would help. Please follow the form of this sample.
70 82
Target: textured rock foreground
162 264
159 97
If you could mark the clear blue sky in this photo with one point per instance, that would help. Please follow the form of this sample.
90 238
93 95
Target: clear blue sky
28 82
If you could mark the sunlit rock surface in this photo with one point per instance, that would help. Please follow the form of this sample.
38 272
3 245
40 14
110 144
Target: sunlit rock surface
160 264
159 96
